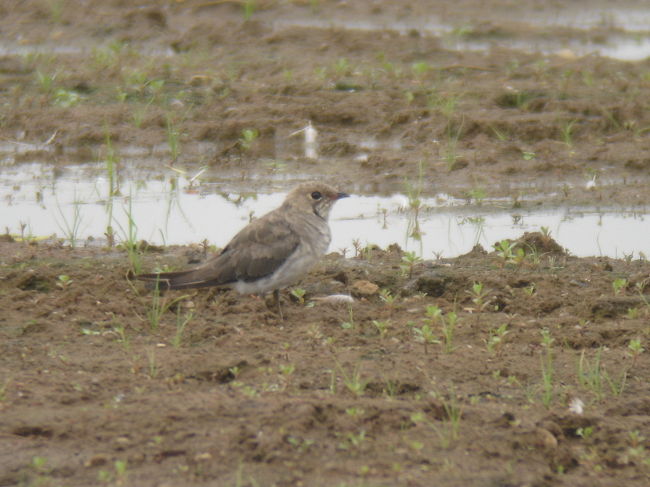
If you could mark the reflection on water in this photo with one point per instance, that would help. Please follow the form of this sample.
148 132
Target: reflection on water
172 209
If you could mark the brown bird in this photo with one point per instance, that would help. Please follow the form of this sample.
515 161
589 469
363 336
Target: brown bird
270 253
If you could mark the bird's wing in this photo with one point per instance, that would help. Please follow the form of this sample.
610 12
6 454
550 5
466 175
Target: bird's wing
256 251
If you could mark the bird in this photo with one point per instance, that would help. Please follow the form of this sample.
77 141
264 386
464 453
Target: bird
270 253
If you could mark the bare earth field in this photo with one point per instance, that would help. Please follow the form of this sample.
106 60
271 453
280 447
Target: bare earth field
522 366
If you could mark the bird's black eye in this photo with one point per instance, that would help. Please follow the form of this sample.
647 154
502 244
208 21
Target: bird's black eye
316 195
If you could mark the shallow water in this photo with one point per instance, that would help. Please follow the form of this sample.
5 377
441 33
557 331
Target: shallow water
169 209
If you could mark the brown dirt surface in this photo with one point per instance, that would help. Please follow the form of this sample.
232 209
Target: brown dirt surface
452 372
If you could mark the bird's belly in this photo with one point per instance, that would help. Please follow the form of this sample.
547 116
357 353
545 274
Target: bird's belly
288 273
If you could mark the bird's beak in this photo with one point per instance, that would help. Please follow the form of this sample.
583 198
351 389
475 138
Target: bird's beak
341 195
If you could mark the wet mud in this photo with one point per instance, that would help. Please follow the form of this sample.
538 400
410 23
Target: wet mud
514 365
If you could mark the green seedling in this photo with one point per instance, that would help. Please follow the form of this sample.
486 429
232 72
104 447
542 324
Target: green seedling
173 136
591 374
348 325
45 81
63 281
159 306
619 284
449 434
248 138
585 433
448 326
566 129
181 323
420 69
635 349
547 367
353 381
496 339
151 361
528 156
355 411
382 327
480 298
72 226
386 296
352 440
426 336
299 294
409 261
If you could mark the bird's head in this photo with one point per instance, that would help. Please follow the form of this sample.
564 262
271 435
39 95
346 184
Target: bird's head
314 196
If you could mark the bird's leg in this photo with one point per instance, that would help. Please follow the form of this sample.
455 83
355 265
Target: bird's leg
276 296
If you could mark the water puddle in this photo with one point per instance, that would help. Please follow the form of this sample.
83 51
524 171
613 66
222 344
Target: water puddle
176 208
629 39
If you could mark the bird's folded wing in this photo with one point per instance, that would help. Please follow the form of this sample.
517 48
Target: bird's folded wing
258 250
255 252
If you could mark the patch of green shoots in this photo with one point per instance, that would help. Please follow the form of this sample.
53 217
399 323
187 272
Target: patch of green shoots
71 227
566 129
547 368
382 327
249 7
409 261
352 380
248 138
181 323
173 136
496 339
618 285
63 281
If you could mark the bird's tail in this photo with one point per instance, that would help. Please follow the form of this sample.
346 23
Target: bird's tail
173 280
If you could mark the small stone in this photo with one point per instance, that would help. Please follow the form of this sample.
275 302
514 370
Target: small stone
364 289
96 461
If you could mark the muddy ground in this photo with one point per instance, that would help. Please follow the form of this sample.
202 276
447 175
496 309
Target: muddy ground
541 380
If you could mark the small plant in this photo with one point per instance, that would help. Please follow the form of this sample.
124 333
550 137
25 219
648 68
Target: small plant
63 281
71 227
585 433
153 366
382 327
352 440
249 7
505 248
388 298
420 69
480 298
45 81
159 306
496 339
248 138
528 156
618 285
566 129
342 67
353 381
348 325
173 136
454 414
299 294
409 261
590 374
425 335
181 323
120 475
547 367
448 326
635 349
530 289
